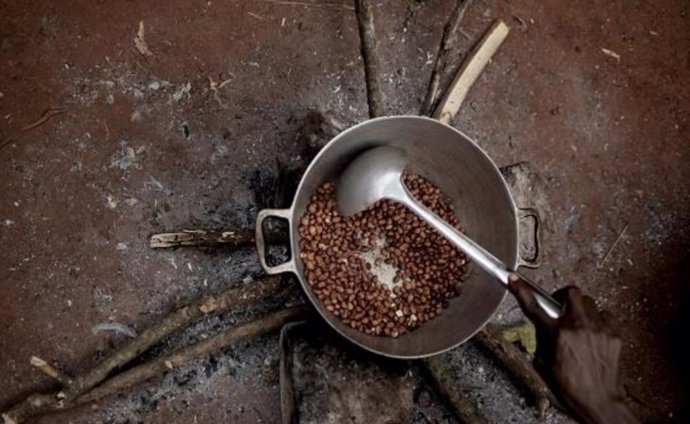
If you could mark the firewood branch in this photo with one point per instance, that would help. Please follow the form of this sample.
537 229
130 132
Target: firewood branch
518 367
148 370
39 404
369 46
448 42
212 238
448 387
50 371
471 68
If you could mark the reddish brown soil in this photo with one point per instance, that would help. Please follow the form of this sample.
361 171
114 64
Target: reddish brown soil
145 145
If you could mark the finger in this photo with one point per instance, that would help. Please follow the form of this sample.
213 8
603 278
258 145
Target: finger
528 303
561 294
573 305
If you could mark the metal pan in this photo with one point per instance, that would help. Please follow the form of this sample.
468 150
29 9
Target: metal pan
465 173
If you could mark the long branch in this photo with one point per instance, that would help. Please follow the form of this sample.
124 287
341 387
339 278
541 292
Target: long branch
211 238
448 387
448 42
518 366
470 70
39 404
197 350
369 46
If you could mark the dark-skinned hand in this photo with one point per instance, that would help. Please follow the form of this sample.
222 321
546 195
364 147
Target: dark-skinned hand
577 354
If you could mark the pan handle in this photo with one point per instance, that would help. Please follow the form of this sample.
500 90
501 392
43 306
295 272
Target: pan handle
535 261
288 266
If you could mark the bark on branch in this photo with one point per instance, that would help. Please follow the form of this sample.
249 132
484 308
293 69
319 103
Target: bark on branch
148 370
517 365
448 42
39 404
369 47
449 388
212 238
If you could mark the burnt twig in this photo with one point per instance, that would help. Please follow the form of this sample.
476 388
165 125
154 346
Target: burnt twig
194 351
449 388
369 45
288 404
39 404
448 41
310 4
50 371
5 142
517 365
211 238
49 113
148 370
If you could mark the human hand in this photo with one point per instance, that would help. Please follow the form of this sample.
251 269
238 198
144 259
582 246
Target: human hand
577 354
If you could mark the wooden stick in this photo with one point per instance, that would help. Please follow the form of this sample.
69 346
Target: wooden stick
470 70
369 45
288 403
47 114
518 366
50 371
141 373
211 238
5 142
148 370
449 388
310 4
39 404
448 41
613 246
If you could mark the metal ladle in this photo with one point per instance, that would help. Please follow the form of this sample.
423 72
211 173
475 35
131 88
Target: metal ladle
377 174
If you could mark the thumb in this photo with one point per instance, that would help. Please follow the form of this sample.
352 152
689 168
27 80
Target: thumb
528 303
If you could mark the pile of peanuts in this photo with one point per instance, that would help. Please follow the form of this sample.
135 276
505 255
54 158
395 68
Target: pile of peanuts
341 257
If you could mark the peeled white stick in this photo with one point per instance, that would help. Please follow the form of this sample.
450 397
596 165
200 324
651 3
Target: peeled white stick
470 70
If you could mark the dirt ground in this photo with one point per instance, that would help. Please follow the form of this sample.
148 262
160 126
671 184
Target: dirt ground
185 130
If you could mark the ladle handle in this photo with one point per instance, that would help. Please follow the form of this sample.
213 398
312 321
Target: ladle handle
480 256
